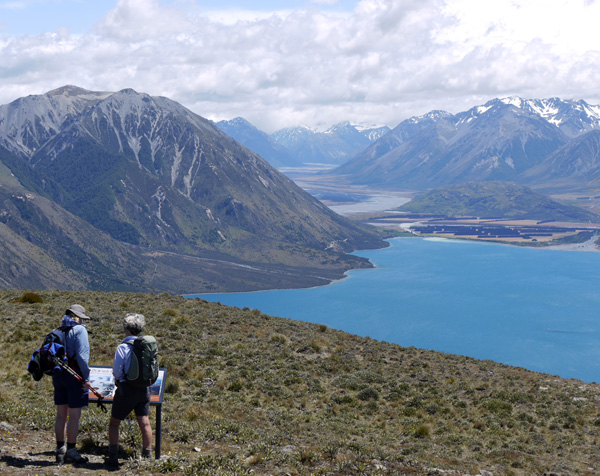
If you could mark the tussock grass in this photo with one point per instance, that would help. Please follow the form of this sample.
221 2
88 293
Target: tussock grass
249 393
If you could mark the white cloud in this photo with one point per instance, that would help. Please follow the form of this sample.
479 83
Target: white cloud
145 20
380 63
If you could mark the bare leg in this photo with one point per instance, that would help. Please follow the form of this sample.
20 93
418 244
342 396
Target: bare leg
60 425
73 424
144 422
113 431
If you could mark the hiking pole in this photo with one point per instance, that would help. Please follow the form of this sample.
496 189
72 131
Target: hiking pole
65 366
132 438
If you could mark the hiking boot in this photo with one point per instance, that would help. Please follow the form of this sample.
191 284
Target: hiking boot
146 453
112 460
60 454
73 456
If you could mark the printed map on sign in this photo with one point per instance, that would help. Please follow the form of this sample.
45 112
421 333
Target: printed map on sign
101 378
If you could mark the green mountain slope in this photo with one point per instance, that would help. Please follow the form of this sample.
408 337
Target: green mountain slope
46 246
173 192
249 393
495 200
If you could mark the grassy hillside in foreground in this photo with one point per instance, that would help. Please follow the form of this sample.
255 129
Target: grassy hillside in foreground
249 393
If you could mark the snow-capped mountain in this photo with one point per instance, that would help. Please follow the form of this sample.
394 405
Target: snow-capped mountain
371 131
299 145
149 173
500 140
572 117
259 142
334 146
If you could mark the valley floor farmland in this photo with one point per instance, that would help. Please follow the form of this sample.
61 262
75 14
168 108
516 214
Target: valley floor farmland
376 207
510 231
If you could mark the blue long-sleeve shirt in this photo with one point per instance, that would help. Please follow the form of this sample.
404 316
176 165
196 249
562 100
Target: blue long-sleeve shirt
122 359
78 345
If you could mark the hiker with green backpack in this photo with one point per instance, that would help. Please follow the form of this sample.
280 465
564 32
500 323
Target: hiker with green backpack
135 369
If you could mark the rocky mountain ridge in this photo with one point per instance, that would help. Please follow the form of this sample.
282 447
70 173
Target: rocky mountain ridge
150 174
260 142
333 146
504 139
295 146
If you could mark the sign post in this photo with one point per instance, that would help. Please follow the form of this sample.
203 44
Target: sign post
101 378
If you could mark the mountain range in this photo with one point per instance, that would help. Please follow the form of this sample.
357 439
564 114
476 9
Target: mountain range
122 190
260 142
127 191
548 144
295 146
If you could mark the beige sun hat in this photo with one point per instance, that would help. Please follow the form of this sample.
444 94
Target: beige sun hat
79 311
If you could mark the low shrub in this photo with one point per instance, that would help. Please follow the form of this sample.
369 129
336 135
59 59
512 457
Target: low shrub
31 298
172 386
368 394
422 431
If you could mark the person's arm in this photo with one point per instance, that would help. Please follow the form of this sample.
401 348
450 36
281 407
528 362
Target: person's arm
82 351
120 360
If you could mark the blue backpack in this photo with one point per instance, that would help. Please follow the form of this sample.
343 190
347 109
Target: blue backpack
54 346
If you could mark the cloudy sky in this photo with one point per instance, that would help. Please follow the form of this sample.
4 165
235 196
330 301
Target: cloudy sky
280 63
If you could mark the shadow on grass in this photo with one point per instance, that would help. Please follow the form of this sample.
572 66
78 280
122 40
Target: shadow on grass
21 462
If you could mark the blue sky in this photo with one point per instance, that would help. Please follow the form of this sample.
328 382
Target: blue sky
33 17
310 62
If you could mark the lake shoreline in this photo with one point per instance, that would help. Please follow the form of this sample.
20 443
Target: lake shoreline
503 303
587 246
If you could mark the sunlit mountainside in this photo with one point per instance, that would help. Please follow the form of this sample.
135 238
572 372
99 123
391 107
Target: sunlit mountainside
128 191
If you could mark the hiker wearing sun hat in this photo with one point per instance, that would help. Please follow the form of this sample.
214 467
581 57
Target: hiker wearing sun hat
70 395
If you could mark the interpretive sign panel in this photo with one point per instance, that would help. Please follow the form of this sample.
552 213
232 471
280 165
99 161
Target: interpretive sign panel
101 378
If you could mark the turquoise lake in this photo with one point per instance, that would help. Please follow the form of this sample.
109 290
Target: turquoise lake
532 308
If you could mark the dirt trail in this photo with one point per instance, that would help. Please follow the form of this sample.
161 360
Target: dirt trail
31 453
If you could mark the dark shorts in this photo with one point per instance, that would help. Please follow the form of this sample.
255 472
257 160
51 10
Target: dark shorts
128 399
68 391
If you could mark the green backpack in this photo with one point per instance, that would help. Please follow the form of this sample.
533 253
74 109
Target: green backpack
143 369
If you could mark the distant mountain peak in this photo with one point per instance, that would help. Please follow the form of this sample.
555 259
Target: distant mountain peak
131 91
431 115
258 141
239 121
512 101
68 90
334 146
364 126
341 125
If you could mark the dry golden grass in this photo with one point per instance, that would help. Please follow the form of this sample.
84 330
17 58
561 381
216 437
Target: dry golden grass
249 393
